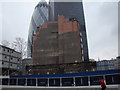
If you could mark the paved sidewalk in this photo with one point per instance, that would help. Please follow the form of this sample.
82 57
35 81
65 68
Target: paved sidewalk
110 87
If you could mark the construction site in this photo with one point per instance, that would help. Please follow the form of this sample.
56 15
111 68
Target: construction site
58 48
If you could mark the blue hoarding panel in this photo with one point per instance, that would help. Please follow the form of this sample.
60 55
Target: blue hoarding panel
93 73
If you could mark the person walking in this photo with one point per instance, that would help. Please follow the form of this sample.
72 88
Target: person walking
103 85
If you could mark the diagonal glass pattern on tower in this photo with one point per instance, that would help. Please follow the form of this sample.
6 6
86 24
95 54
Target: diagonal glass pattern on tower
40 16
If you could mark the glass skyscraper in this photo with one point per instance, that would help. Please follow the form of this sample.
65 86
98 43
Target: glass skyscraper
40 16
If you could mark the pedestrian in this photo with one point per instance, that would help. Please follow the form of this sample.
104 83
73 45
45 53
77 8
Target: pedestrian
102 83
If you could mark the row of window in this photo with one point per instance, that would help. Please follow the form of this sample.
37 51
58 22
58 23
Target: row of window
7 50
109 63
11 58
3 63
82 46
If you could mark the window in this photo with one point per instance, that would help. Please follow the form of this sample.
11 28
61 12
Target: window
81 39
11 58
11 65
5 56
8 50
2 62
81 45
3 49
83 58
82 52
80 34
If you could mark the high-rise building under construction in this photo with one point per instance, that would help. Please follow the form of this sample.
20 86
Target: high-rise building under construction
57 42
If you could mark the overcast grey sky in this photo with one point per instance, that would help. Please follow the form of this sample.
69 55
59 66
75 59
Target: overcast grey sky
101 25
102 29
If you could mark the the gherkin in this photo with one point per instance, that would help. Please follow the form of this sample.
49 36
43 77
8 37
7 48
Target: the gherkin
39 16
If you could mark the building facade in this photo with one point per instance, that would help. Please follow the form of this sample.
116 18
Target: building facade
108 64
9 61
39 16
70 10
57 41
57 48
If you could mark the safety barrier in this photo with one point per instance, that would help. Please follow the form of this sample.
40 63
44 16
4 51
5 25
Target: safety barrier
112 77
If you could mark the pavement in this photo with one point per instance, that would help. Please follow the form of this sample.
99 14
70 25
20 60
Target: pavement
110 87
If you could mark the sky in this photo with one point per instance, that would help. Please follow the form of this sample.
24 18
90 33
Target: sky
101 25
